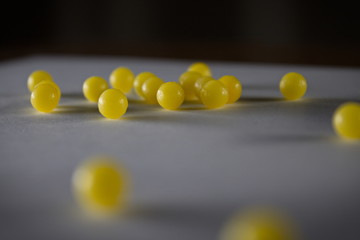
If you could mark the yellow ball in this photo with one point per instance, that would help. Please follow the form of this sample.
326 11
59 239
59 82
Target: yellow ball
199 83
170 95
214 94
233 86
258 224
122 78
37 77
139 80
112 104
93 87
346 120
150 88
187 81
201 68
53 84
293 86
45 97
101 186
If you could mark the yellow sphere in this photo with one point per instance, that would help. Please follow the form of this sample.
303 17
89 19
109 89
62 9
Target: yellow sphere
45 97
122 78
93 87
214 94
187 81
150 88
233 86
259 224
199 83
346 120
112 104
201 68
139 80
170 95
37 77
53 84
101 186
293 86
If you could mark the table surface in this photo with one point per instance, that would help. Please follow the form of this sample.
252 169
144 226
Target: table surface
190 169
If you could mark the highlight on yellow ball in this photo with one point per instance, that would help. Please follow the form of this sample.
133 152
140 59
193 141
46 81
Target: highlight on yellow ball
214 94
346 120
259 224
187 81
101 186
112 104
201 68
293 86
122 78
199 83
93 87
53 84
37 77
150 88
233 86
139 81
170 95
45 97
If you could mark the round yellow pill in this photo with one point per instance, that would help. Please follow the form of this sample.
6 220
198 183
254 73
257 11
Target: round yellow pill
53 84
112 103
346 120
93 87
122 78
187 81
170 95
201 68
233 86
45 97
293 86
199 83
150 88
214 94
139 80
258 225
37 77
101 186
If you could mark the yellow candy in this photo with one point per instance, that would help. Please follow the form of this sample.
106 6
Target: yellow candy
293 86
112 104
233 86
139 80
214 94
199 83
187 81
150 88
101 186
346 120
258 225
53 84
37 77
122 78
93 87
45 97
170 95
201 68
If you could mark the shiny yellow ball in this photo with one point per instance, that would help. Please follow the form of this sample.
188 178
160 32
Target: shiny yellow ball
346 120
139 80
112 103
53 84
201 68
233 86
101 186
45 97
122 78
199 83
93 87
187 81
293 86
170 95
214 94
150 88
37 77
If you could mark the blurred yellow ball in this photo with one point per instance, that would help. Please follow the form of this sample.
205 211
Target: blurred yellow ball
199 83
45 97
139 80
112 103
150 88
122 78
214 94
170 95
187 81
346 120
201 68
37 77
93 87
233 86
293 86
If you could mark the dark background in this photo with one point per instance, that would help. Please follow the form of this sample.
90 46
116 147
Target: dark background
293 31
